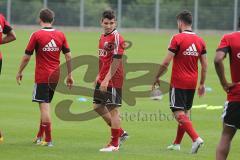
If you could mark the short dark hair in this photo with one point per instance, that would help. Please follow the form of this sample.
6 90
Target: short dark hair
109 14
47 15
185 16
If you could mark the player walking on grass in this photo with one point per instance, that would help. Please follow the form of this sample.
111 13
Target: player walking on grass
108 90
6 29
185 48
231 115
47 43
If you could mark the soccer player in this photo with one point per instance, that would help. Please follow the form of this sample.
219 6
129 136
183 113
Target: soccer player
231 115
47 43
185 49
108 85
6 29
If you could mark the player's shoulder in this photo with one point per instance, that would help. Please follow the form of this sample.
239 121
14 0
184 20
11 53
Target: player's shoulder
178 36
117 34
34 34
230 35
2 16
58 31
200 38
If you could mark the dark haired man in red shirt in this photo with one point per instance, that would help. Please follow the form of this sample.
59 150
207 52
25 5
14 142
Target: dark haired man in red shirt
6 29
185 49
48 44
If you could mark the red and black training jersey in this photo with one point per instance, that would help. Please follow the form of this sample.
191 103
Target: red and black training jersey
187 47
47 43
230 44
111 46
5 28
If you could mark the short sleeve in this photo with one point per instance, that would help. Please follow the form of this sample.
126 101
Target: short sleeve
118 46
173 46
6 28
224 45
204 48
31 45
65 46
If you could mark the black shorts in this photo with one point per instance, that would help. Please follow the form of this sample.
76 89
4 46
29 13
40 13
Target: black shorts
113 96
43 92
231 114
181 99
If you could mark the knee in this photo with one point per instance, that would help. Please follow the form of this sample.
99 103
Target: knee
182 118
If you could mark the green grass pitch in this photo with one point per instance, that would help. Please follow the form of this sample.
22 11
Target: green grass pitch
19 117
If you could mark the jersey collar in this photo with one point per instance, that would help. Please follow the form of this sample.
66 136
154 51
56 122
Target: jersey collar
188 32
48 29
109 33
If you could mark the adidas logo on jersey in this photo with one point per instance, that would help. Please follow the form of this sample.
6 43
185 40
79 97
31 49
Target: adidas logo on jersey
191 51
51 46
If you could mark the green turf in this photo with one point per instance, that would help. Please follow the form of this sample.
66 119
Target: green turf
19 117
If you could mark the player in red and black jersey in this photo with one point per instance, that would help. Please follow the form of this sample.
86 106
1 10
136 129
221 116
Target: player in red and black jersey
48 44
231 116
108 91
186 49
6 29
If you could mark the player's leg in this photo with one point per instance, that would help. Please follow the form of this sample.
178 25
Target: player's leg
113 102
46 123
225 142
231 122
40 134
43 94
115 125
180 131
197 143
180 101
180 134
115 130
176 104
184 120
117 103
103 112
99 105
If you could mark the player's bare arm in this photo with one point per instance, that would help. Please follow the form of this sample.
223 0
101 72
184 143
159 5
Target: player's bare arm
219 67
22 66
112 70
163 68
204 65
10 36
69 80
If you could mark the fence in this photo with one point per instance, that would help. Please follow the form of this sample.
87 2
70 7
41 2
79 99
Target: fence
156 14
